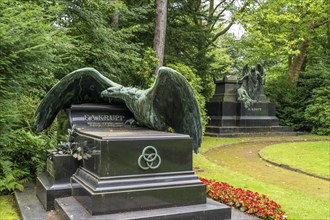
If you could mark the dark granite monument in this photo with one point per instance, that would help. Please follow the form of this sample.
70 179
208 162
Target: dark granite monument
133 170
239 106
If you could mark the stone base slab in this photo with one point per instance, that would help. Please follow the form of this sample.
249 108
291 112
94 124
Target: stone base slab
216 131
136 192
69 208
29 207
47 191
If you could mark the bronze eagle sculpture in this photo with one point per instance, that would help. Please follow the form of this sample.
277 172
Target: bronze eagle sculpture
169 102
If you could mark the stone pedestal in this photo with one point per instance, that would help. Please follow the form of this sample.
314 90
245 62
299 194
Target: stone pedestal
55 182
230 117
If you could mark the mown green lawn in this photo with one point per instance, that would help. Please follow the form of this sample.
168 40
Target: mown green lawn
298 205
311 157
8 208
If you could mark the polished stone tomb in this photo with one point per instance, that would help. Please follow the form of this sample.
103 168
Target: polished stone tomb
133 172
229 117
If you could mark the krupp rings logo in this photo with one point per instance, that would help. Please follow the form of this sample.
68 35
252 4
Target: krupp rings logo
149 158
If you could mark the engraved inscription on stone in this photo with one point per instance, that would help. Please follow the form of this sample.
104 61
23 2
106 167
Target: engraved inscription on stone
254 109
103 120
50 168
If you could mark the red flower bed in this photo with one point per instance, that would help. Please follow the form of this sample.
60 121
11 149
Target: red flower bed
247 201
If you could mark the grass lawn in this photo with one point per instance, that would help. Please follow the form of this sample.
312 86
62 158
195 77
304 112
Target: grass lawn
311 157
8 208
297 204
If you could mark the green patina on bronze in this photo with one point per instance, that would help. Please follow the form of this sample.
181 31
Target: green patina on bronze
170 102
252 85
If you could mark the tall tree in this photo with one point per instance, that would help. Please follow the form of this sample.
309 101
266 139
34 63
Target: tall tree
194 31
102 42
286 28
222 15
160 30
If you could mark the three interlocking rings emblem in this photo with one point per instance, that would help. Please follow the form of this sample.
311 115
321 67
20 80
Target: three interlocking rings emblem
149 158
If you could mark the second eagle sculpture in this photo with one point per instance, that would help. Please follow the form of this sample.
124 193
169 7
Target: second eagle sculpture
170 102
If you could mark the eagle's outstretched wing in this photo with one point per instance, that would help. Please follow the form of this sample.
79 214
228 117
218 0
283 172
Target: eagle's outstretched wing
81 86
174 101
169 102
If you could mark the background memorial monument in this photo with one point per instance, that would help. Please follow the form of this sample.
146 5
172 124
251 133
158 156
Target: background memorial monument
239 106
134 169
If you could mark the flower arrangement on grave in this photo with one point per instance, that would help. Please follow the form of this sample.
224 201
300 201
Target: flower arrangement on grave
71 147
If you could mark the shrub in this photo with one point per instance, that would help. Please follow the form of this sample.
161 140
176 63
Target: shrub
195 82
22 156
245 200
303 106
318 111
22 153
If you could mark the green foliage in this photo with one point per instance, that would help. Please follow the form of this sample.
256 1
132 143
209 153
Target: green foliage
286 99
303 107
32 48
31 45
145 77
98 44
8 116
10 174
222 55
187 42
71 147
8 209
22 154
317 113
276 27
195 83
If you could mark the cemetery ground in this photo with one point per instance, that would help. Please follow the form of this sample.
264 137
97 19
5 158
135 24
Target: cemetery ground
237 162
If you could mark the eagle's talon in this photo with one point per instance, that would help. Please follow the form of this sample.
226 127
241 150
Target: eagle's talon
131 122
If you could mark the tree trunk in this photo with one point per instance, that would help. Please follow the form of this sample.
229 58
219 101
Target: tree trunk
114 17
211 8
114 20
160 31
296 62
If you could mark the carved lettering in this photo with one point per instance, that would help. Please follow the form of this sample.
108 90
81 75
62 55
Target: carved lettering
106 118
103 124
50 168
254 109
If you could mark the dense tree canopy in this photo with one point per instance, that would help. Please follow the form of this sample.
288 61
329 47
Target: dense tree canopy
286 29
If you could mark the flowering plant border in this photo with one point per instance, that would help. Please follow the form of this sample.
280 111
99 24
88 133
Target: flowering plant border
246 201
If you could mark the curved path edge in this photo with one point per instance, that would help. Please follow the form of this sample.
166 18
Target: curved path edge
292 168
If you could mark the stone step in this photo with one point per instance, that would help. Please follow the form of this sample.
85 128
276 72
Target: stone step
69 208
30 208
243 121
260 130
